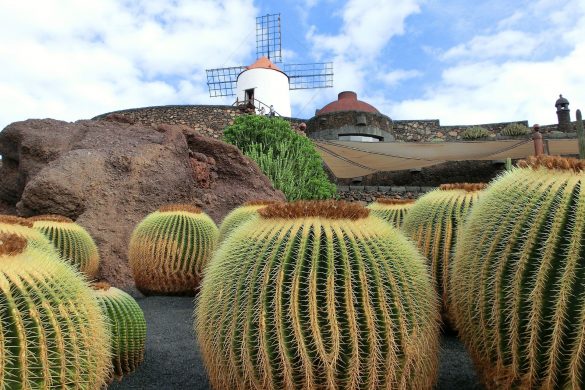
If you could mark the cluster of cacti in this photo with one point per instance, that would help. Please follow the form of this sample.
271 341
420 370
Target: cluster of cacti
240 215
24 228
392 211
318 295
515 129
518 277
169 248
433 223
52 332
127 327
475 132
72 241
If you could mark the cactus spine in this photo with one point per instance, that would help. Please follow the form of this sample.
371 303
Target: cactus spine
239 216
433 224
127 326
317 295
72 241
52 332
392 211
518 285
169 248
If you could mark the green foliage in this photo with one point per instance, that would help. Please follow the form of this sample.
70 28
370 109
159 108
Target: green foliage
169 249
52 332
517 286
475 132
287 158
317 297
127 327
515 129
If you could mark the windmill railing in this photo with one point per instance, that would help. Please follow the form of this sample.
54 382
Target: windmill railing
256 106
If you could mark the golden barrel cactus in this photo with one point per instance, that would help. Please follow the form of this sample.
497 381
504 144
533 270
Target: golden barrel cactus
317 295
24 228
518 277
433 223
127 327
240 215
390 210
169 248
73 242
52 332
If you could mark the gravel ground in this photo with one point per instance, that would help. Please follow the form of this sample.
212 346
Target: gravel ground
173 360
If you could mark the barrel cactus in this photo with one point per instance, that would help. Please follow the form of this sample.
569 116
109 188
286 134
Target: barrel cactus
317 295
392 211
433 224
24 228
518 277
240 215
72 241
169 248
127 327
52 332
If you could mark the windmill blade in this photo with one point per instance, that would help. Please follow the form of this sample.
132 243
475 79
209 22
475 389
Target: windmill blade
308 76
222 81
268 37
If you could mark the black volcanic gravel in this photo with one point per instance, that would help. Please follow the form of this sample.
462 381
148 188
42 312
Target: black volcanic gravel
173 360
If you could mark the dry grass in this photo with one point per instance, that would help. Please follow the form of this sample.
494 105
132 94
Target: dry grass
50 218
391 201
330 209
101 286
11 244
14 220
180 207
553 162
469 187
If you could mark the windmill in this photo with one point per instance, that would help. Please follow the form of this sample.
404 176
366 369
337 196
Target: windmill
264 87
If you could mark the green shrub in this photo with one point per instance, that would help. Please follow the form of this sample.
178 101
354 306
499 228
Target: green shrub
287 158
475 132
515 129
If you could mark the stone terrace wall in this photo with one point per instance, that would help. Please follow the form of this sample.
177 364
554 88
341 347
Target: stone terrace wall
430 130
367 194
209 120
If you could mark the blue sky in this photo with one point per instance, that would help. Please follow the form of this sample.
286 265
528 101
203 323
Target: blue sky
458 61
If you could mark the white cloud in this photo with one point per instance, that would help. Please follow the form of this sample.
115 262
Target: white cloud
394 77
70 60
508 43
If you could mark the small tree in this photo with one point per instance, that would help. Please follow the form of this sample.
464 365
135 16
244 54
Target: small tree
287 158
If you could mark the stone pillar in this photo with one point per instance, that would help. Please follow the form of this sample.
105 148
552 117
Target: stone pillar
563 114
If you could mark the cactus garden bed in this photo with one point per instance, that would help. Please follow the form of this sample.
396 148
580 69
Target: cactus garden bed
173 360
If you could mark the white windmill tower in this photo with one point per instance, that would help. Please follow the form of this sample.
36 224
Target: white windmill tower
263 86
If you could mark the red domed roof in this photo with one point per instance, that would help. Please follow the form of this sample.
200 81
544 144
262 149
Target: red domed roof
347 101
264 63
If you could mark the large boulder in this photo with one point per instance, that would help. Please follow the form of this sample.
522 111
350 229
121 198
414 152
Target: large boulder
108 175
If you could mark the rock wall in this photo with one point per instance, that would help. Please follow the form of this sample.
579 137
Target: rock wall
431 130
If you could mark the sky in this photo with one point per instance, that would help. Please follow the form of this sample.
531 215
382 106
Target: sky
462 62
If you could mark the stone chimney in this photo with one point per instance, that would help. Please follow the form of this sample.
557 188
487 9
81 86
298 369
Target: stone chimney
564 114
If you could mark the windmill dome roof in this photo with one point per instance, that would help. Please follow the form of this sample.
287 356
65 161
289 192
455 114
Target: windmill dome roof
561 100
347 101
263 63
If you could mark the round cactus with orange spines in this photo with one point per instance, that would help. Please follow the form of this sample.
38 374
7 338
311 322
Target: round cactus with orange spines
169 249
390 210
52 332
240 215
317 295
433 223
127 327
24 227
518 277
74 244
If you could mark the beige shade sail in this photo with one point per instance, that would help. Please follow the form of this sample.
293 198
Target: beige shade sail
348 159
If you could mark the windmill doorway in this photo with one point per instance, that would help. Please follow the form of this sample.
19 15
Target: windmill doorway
249 96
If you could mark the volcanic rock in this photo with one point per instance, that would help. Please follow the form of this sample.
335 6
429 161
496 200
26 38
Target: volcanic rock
108 175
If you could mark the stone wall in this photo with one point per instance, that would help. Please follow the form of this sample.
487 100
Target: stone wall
329 126
430 130
367 194
209 120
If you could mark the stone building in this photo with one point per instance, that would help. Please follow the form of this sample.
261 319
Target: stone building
563 114
350 119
